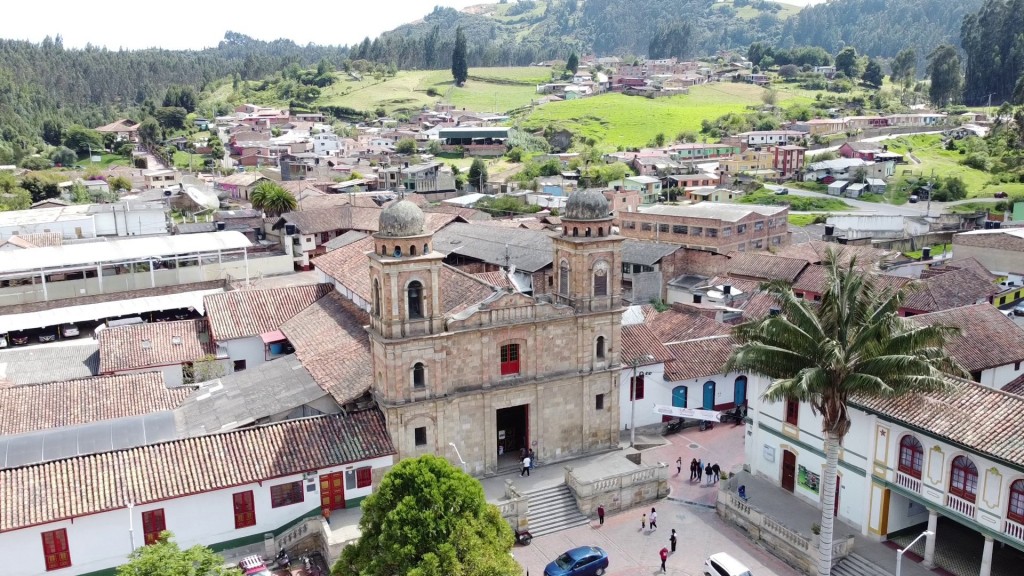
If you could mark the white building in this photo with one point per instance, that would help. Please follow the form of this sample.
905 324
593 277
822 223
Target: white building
222 490
172 348
325 144
245 325
907 464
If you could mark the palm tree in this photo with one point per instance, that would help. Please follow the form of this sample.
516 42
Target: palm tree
272 199
852 343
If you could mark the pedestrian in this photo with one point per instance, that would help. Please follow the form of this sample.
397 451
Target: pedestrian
693 469
526 466
672 540
533 459
716 470
700 471
326 511
600 514
679 466
708 472
664 557
643 522
654 520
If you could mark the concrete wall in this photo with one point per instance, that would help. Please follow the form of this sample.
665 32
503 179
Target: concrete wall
101 541
131 223
250 349
656 391
1001 375
70 229
1000 261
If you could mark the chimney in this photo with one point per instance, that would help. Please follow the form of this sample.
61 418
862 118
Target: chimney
774 311
697 298
220 226
926 253
726 289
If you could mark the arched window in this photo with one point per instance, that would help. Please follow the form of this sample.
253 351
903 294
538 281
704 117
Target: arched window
599 351
911 456
1015 510
426 249
575 231
963 479
600 230
376 298
383 250
398 252
412 250
587 234
563 278
419 376
415 299
601 279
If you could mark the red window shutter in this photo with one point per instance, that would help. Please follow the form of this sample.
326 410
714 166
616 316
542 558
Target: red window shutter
152 525
55 549
363 477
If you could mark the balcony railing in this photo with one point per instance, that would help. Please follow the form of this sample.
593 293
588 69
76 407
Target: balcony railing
1013 529
909 482
957 504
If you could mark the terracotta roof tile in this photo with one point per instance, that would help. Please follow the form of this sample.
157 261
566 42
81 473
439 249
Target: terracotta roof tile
1015 386
981 419
460 290
58 404
813 252
153 344
332 344
244 313
812 279
498 279
673 325
987 337
639 341
698 358
83 485
350 266
763 266
951 289
970 263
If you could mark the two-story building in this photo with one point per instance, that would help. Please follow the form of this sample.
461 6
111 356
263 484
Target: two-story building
648 187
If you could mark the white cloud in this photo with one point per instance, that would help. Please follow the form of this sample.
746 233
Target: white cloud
180 24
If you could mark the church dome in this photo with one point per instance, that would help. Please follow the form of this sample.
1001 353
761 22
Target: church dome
587 205
401 219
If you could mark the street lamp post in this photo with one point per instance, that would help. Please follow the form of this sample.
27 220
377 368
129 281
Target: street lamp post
899 552
456 448
632 397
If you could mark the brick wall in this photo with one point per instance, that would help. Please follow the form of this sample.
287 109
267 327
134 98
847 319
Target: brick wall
753 232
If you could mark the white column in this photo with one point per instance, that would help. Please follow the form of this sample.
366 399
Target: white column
42 276
986 557
929 543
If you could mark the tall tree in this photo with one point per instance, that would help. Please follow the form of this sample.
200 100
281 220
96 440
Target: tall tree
946 77
573 63
165 558
853 343
846 62
478 174
53 132
428 518
873 73
271 198
904 68
460 68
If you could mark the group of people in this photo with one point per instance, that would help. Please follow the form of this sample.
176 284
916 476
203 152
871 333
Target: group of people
653 520
699 470
527 459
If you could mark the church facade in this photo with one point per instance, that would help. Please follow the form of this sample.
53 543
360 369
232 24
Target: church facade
478 374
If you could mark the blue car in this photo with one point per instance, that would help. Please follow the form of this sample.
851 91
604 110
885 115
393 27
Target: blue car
582 561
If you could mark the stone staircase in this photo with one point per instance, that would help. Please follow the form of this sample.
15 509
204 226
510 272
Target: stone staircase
856 565
553 509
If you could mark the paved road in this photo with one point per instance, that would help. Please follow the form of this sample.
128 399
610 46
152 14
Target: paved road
918 209
835 148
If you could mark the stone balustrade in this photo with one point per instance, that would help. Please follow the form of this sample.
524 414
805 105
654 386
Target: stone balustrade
620 491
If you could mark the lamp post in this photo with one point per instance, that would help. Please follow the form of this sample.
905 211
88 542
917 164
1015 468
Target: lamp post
899 552
632 397
456 448
131 525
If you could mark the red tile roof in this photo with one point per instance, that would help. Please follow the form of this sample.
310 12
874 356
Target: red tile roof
74 487
813 280
153 344
987 338
981 419
763 266
499 279
332 344
951 289
758 306
639 341
814 252
58 404
673 325
460 290
698 358
1015 386
350 266
245 313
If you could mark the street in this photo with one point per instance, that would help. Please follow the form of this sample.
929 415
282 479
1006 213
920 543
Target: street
918 209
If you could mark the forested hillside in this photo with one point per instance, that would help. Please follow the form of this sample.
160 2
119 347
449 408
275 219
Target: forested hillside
993 40
91 86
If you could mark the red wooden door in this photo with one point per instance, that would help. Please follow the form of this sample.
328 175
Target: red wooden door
788 470
332 491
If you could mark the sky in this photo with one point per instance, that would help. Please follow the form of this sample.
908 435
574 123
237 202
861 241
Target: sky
196 24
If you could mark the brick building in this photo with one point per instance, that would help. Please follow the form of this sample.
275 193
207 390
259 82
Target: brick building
720 228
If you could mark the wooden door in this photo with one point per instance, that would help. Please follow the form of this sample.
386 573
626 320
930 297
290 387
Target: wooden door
332 491
788 470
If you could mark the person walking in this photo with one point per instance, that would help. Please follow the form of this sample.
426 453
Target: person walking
654 520
693 469
679 466
533 459
708 472
664 557
600 514
643 522
716 470
672 540
526 466
700 471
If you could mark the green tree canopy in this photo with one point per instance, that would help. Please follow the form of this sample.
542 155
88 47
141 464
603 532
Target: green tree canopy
165 558
82 140
904 68
573 63
53 132
271 198
118 183
846 62
64 156
428 518
406 146
460 66
478 173
873 73
945 74
181 97
150 131
171 117
853 343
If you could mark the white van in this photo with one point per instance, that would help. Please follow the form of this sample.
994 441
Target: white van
722 564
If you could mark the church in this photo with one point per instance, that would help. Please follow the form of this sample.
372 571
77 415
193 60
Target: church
477 374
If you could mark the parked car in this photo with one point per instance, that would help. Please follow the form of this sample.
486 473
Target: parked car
19 339
69 331
722 564
1001 195
48 335
1018 310
254 566
913 199
3 340
582 561
782 191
